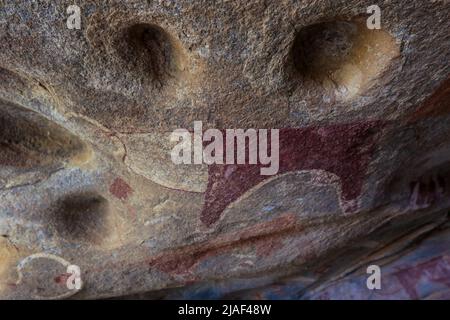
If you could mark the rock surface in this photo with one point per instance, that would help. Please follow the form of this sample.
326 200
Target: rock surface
86 176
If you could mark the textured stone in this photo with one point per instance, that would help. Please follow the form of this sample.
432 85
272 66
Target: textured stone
85 170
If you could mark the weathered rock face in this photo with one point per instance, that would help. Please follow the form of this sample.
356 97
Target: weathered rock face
86 176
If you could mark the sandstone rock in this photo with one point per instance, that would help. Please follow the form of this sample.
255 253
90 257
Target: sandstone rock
85 170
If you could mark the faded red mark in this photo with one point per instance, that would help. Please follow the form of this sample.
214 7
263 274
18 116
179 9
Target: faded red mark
120 189
435 270
268 247
132 211
344 150
181 264
62 278
436 105
281 224
185 260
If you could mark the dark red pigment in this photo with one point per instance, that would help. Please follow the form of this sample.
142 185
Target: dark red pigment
62 278
344 150
120 189
438 104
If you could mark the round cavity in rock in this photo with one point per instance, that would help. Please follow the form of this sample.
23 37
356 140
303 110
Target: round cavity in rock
148 48
82 218
30 141
342 57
